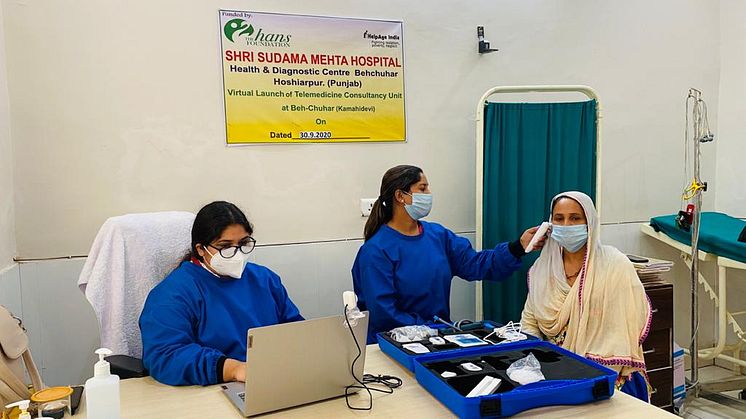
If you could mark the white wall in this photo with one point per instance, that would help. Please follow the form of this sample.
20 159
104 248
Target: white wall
7 214
119 109
731 133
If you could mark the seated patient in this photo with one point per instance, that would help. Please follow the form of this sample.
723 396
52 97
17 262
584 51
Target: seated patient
194 322
586 297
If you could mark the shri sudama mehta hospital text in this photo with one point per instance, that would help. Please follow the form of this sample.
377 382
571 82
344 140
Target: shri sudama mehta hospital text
318 59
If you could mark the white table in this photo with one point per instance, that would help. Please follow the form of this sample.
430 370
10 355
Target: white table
144 398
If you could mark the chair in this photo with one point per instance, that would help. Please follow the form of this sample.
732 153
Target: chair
130 255
16 362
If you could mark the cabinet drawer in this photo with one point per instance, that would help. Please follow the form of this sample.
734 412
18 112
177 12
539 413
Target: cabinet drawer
657 349
661 382
661 301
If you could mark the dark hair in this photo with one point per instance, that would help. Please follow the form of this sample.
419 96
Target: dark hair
212 220
397 178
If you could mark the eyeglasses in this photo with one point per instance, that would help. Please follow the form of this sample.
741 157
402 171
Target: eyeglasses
230 251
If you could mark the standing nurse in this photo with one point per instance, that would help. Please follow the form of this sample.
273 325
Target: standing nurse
402 273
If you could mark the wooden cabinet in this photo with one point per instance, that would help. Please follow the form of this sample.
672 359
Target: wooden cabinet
658 347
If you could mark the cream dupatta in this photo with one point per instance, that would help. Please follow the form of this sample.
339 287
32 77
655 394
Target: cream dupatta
606 311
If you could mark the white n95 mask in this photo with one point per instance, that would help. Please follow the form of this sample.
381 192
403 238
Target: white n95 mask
232 267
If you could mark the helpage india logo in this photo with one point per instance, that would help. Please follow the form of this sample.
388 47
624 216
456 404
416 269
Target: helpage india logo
237 29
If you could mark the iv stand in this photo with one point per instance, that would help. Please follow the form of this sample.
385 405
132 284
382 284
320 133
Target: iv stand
701 134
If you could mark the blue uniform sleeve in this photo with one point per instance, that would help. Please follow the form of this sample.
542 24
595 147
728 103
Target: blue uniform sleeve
376 284
492 264
170 349
286 310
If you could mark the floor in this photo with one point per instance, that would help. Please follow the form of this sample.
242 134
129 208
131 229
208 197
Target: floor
706 409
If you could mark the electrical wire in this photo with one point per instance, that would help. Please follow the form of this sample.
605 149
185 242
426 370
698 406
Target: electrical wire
686 143
390 382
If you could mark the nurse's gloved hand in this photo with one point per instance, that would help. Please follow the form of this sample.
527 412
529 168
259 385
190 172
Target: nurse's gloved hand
528 235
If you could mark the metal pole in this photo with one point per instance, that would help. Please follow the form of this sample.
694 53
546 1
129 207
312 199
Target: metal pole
694 350
700 127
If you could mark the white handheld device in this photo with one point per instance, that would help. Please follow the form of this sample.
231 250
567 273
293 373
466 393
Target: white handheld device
487 386
437 340
471 367
541 232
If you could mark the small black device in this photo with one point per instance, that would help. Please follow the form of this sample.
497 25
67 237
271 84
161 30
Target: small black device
75 398
685 218
483 46
683 221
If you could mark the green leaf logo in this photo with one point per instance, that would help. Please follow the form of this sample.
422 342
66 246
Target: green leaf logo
236 25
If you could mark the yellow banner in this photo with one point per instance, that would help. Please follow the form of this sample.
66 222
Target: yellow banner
311 79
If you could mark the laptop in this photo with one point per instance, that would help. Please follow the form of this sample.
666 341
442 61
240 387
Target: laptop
296 363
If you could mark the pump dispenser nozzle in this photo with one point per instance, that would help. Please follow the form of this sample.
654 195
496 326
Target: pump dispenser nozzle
102 369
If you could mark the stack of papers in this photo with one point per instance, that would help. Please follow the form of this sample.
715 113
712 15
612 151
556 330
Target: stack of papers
651 270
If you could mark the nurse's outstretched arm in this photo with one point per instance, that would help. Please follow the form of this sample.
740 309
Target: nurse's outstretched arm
490 264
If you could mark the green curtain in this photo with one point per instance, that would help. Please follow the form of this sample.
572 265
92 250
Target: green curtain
532 151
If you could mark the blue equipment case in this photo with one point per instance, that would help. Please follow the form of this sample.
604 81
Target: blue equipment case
570 379
406 358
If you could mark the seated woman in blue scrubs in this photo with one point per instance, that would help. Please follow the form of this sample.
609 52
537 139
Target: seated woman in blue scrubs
402 274
194 322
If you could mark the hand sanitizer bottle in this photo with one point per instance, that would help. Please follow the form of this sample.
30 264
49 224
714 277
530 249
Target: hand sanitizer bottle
102 391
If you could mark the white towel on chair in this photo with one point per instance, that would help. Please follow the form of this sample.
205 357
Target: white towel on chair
130 255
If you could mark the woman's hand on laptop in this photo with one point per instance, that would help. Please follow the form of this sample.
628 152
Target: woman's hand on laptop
234 370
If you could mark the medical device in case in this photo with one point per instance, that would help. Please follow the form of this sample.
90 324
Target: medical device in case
449 340
569 379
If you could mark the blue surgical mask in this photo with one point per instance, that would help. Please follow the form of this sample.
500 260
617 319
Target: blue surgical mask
572 238
422 203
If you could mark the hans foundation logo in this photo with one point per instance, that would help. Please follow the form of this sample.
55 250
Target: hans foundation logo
237 29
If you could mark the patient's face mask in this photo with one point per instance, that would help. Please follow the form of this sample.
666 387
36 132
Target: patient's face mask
571 238
232 266
421 205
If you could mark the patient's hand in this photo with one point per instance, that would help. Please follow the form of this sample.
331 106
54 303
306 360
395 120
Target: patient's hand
528 235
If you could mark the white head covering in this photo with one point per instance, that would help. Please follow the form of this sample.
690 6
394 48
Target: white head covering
606 310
